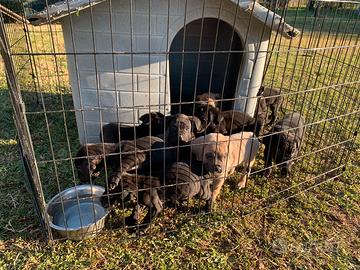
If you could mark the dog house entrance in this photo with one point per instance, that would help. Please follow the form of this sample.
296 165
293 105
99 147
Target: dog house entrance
199 72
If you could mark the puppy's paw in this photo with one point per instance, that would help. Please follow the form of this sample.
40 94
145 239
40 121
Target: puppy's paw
138 230
241 184
209 207
266 173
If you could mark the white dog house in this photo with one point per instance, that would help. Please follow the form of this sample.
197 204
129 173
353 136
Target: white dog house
119 61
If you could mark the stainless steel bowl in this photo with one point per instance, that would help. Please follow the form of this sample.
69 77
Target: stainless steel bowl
76 213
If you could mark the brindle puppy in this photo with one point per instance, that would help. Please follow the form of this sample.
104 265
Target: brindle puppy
133 154
90 159
283 143
179 185
181 129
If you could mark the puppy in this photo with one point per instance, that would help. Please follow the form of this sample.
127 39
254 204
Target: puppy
181 129
269 100
138 190
131 155
181 184
90 160
222 154
207 99
282 147
151 123
206 109
184 182
234 122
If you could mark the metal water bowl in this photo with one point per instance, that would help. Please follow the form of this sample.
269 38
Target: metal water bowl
76 213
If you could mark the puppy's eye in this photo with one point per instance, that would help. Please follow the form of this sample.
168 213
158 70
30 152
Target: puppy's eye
210 155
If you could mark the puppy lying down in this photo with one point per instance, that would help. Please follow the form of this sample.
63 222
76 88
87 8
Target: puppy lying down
221 155
90 159
179 184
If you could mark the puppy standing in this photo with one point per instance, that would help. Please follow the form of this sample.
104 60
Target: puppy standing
285 144
222 154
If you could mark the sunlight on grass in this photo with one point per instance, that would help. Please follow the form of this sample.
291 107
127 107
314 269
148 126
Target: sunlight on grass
316 229
8 142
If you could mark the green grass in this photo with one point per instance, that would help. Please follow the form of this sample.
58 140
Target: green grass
316 229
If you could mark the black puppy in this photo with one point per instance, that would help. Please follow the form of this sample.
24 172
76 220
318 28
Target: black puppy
178 186
269 100
90 159
282 147
234 122
151 123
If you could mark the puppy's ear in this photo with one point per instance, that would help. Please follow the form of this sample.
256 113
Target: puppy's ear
159 115
261 90
154 117
197 148
216 95
196 124
145 118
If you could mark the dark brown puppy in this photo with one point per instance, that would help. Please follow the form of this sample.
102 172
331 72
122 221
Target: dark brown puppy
282 147
234 122
90 159
207 99
269 100
181 184
151 123
206 109
181 129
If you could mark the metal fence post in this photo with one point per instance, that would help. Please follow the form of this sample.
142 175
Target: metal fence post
32 178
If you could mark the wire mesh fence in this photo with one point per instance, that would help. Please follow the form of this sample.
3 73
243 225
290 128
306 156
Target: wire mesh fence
130 109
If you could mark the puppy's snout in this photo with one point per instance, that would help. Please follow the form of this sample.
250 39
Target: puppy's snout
218 169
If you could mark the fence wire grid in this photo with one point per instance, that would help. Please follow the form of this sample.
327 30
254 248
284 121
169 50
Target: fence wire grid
73 71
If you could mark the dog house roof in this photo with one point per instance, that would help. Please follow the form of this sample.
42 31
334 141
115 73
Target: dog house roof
65 8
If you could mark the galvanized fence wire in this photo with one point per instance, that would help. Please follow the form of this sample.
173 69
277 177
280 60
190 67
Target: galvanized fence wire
317 74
